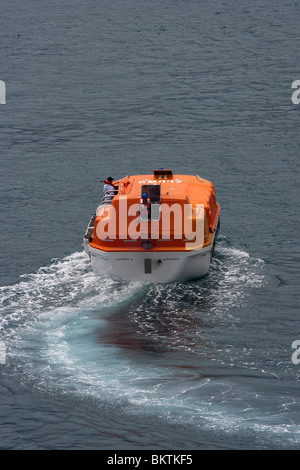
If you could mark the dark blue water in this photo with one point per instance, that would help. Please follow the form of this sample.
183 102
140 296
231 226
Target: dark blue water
121 87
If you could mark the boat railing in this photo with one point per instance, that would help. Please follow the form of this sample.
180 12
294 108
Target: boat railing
90 227
108 196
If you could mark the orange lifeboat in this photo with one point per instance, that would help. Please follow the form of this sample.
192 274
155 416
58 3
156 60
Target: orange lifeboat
158 228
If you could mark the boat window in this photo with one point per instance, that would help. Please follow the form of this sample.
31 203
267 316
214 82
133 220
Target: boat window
144 212
149 213
153 191
155 212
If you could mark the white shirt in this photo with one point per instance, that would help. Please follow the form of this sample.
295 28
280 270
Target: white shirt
108 192
107 188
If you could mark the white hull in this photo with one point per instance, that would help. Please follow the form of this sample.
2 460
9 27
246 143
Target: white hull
151 266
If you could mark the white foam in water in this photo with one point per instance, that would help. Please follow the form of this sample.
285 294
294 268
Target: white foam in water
65 282
235 273
48 321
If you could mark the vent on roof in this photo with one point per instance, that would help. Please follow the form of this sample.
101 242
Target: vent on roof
162 174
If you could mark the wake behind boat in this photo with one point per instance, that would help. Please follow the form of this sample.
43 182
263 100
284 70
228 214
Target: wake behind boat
157 228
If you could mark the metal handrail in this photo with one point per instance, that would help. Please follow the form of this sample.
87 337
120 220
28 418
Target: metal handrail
108 196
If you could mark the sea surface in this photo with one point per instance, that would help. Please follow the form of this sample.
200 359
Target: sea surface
111 88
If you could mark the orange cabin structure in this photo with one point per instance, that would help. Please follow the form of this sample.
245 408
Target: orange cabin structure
125 223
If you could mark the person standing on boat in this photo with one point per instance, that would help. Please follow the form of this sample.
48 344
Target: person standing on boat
109 189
